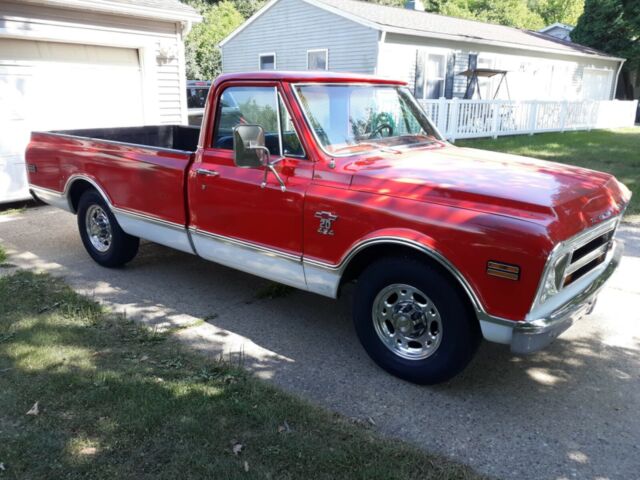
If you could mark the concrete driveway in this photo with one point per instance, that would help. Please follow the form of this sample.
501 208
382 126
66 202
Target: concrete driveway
572 411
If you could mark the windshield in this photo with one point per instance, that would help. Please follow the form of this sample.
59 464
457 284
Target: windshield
349 119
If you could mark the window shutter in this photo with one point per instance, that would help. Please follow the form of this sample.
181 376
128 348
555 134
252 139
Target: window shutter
449 78
473 82
421 61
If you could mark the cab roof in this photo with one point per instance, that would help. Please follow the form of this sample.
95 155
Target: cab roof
307 77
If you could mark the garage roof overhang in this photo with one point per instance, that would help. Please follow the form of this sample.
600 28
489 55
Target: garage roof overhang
164 10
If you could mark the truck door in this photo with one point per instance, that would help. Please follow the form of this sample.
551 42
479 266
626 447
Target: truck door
236 221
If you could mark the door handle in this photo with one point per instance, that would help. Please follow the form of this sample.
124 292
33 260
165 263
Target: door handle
206 172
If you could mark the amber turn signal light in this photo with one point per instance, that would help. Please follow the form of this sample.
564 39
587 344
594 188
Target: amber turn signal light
503 270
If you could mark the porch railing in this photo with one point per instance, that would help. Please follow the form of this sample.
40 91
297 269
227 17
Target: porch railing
457 118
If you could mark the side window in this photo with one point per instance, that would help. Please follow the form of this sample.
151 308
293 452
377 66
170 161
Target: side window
255 106
290 140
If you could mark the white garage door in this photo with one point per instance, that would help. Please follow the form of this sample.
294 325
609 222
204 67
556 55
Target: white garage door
46 85
596 84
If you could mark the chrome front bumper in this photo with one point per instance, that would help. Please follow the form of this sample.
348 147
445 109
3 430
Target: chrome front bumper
539 330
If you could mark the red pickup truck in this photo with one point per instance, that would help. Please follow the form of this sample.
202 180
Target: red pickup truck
315 180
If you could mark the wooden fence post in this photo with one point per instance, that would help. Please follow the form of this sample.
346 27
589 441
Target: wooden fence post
495 112
533 117
563 114
442 116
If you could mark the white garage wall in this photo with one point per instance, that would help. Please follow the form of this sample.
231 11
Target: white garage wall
66 60
158 43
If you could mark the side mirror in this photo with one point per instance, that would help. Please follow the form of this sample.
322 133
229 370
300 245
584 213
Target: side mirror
249 149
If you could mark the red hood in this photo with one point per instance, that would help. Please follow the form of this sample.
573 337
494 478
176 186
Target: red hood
567 199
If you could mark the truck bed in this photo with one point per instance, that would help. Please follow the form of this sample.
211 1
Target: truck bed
141 170
169 137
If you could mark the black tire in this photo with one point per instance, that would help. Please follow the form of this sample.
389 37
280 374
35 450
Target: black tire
457 324
121 248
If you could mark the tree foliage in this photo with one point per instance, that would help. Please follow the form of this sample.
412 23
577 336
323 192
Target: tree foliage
203 57
613 26
527 14
559 11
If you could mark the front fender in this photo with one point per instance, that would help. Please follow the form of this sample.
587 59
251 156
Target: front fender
325 278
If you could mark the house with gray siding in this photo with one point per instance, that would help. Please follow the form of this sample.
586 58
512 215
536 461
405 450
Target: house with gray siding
428 51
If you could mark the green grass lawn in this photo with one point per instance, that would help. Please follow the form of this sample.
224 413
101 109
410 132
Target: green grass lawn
613 151
115 400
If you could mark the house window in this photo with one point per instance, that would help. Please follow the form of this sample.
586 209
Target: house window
430 75
267 61
318 59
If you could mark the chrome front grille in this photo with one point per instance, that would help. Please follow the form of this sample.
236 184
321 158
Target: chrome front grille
588 253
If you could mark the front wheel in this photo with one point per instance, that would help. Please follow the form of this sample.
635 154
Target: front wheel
413 321
101 235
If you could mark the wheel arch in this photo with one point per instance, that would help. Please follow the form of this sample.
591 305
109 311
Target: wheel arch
77 185
421 247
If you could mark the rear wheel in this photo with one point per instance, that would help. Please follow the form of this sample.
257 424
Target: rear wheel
101 235
413 321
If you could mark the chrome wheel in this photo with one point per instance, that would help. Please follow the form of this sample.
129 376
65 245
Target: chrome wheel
407 321
98 228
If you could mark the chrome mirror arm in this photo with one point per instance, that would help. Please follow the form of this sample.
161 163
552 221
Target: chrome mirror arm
269 166
277 175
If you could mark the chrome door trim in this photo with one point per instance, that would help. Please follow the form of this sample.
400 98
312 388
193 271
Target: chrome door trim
243 243
255 259
147 218
159 231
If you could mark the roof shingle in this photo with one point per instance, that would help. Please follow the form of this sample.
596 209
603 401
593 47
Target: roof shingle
413 22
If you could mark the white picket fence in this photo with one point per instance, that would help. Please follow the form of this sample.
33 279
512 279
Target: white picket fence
457 118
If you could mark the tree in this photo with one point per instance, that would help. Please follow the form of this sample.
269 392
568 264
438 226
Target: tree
613 26
513 13
203 57
559 11
248 7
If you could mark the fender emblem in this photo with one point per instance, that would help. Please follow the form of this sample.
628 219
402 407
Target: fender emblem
326 222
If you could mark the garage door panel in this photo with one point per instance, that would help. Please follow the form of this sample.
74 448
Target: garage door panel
95 97
32 51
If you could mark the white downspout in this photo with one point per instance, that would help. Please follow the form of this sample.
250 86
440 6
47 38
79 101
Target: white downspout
381 40
185 28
